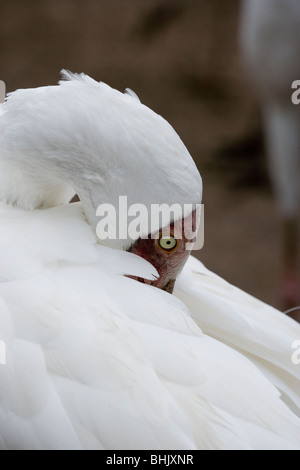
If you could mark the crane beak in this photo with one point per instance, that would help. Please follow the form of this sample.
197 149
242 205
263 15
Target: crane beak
169 287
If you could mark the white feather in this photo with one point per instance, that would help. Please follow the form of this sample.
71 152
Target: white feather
132 94
259 331
96 360
83 136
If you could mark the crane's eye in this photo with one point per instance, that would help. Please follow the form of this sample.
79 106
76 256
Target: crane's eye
167 243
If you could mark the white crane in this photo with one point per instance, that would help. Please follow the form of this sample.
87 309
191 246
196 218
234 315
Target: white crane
270 41
94 358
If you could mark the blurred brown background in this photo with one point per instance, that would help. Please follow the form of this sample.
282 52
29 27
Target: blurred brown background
182 59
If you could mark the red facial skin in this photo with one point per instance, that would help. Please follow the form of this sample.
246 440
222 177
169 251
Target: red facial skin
169 264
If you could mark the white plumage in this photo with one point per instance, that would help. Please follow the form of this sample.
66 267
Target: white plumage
96 359
88 136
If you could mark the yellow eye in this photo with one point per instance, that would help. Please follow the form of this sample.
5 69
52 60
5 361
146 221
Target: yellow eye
167 243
